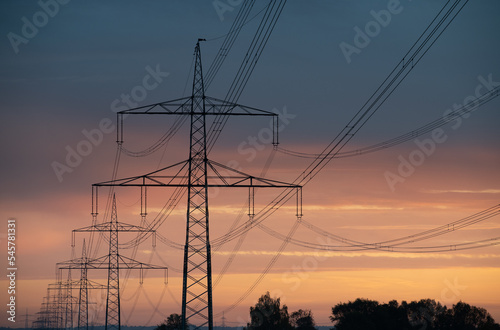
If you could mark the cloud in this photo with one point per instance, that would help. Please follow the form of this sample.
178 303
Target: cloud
349 207
477 226
323 254
463 191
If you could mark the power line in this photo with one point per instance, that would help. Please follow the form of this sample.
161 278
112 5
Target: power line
165 139
332 150
439 122
246 22
202 175
374 102
228 43
248 64
393 245
265 28
357 122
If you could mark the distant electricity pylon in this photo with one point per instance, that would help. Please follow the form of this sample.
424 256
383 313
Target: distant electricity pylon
83 285
57 307
26 319
198 174
223 320
112 262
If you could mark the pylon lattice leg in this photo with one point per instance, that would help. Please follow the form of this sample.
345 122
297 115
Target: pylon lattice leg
197 274
113 297
83 302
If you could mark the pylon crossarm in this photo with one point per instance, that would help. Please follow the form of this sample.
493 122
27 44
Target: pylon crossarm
105 227
172 107
134 264
133 228
64 284
149 179
95 286
213 106
242 175
67 263
234 109
79 263
102 263
230 178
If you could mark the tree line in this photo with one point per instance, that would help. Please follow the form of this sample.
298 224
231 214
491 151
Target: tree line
426 314
365 314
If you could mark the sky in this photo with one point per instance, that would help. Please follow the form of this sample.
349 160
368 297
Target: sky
62 80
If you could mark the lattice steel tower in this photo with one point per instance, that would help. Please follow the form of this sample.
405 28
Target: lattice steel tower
113 294
197 274
197 174
113 262
83 297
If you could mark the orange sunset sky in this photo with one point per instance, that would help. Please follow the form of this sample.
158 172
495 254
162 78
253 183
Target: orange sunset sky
71 75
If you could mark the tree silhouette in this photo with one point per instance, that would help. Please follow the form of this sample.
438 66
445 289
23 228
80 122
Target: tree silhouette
425 314
466 317
355 315
268 314
173 322
303 320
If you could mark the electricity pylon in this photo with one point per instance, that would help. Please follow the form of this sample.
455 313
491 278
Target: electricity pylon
83 285
113 262
46 318
197 174
83 297
26 319
57 307
223 320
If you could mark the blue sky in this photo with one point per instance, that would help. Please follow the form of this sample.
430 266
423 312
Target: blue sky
65 78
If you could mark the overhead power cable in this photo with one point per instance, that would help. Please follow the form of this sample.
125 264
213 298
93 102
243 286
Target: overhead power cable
388 86
179 121
376 100
429 127
246 22
270 18
230 38
319 160
93 247
483 215
241 239
214 68
267 24
265 271
372 105
393 245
